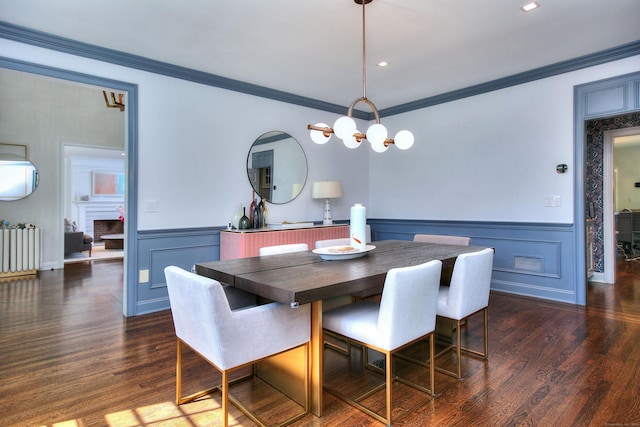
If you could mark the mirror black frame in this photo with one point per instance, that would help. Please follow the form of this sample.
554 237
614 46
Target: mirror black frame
268 153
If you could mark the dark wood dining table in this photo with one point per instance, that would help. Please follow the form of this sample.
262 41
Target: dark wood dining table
305 278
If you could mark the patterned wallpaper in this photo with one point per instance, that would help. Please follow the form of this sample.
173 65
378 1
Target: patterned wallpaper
595 130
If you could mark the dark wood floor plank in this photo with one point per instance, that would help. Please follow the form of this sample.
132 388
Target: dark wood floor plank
68 355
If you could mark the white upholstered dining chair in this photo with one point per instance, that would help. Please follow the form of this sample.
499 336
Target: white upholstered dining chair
283 249
447 269
342 241
467 294
232 339
442 239
404 315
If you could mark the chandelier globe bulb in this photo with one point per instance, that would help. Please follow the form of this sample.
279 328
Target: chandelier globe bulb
377 134
318 136
379 147
404 140
344 127
351 142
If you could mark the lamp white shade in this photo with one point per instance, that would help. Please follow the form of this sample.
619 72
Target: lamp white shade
326 190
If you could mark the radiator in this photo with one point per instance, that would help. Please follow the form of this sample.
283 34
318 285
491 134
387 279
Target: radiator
19 251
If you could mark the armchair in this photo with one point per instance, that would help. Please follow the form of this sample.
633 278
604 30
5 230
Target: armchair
74 240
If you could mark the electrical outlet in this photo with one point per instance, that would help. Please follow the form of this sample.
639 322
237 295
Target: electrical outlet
143 276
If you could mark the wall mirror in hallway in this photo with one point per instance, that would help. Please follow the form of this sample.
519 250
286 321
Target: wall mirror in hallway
18 176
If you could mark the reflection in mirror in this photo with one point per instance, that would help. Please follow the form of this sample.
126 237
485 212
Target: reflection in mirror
18 176
277 167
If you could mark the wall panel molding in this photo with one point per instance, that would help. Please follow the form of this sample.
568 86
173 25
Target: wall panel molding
519 248
531 259
158 249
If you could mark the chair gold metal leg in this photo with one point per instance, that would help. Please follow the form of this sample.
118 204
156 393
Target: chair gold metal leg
178 371
467 351
389 385
225 398
486 333
179 399
458 349
390 378
342 350
432 365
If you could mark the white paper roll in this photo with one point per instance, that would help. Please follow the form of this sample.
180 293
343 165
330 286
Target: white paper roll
358 226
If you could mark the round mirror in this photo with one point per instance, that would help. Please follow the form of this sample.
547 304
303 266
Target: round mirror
277 167
18 179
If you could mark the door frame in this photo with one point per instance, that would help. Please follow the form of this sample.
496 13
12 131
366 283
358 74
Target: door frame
595 100
131 171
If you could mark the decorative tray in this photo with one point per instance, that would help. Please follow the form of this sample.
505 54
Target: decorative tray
334 253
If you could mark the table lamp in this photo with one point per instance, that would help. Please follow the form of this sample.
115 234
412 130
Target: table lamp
327 190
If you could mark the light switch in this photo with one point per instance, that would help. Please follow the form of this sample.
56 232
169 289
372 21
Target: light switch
548 201
151 206
557 201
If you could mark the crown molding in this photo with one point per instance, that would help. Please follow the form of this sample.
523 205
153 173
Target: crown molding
604 56
61 44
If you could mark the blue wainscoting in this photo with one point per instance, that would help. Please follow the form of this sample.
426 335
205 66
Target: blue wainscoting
161 248
536 260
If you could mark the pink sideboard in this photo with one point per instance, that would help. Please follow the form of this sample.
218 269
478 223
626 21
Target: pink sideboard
247 243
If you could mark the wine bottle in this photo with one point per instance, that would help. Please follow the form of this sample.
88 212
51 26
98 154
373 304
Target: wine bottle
252 207
263 213
244 223
256 215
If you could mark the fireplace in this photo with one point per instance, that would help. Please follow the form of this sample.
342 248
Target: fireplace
106 226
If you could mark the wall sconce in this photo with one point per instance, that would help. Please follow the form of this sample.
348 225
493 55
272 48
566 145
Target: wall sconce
327 190
114 104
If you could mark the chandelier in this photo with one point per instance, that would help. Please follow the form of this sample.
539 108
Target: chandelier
345 127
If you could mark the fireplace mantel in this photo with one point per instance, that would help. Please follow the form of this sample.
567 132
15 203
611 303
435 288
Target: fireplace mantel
89 211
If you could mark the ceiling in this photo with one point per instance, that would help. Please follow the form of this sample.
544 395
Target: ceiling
313 48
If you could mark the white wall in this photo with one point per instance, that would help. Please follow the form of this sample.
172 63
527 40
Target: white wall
43 114
491 157
193 145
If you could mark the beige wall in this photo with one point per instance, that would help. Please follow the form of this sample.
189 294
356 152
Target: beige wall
44 114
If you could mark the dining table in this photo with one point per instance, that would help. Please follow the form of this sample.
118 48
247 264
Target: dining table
305 277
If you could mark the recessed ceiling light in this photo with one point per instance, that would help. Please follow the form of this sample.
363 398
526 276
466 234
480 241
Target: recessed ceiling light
383 64
529 6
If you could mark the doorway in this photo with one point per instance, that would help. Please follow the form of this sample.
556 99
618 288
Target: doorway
599 187
131 150
621 173
89 209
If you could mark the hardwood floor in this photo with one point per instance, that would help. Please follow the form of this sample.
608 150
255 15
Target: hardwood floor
69 358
